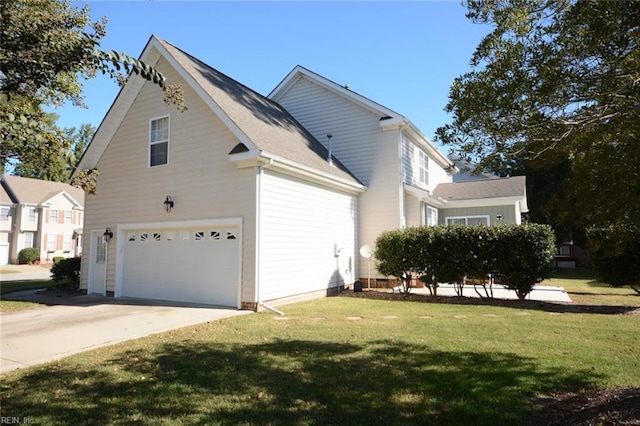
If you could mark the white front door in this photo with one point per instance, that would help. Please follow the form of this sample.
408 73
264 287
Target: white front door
98 266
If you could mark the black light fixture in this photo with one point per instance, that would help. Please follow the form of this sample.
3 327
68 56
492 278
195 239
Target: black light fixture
108 235
168 204
499 216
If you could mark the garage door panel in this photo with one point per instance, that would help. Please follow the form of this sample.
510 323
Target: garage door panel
187 265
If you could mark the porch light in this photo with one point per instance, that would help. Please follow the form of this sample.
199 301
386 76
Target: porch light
499 216
108 235
168 204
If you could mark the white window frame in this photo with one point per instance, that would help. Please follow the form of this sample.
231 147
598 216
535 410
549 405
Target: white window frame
28 240
68 216
53 218
52 242
430 219
153 142
66 242
32 215
5 214
449 219
423 166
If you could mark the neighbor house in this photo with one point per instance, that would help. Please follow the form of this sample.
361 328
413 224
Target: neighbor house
40 214
245 200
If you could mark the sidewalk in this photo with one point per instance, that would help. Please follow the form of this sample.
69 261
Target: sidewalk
25 272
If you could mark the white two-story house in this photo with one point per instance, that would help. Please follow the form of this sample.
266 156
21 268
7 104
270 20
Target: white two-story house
245 200
39 214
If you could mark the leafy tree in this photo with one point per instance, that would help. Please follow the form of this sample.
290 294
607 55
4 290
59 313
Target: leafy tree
556 81
48 46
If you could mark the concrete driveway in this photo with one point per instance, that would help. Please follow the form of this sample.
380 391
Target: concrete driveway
69 325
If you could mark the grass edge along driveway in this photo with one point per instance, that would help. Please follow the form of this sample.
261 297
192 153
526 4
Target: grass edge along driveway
337 361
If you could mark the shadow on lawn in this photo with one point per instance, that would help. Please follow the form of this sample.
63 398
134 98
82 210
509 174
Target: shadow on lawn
291 382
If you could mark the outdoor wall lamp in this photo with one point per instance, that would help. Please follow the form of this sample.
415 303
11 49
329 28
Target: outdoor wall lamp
168 204
108 235
499 217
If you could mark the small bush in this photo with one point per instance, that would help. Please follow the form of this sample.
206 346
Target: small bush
615 254
67 269
28 255
58 259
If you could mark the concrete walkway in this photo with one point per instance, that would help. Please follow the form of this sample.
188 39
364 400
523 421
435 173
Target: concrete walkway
80 323
540 292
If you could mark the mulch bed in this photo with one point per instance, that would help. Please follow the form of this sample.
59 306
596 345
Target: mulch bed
589 407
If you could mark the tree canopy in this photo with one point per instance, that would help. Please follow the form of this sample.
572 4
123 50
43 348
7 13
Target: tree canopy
48 46
556 82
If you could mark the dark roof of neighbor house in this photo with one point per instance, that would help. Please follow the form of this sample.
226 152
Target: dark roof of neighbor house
487 188
36 191
265 123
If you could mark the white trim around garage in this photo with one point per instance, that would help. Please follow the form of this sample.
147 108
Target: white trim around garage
121 240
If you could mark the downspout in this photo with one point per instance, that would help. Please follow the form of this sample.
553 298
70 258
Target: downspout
257 296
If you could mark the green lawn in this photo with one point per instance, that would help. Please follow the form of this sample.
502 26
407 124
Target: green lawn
13 286
337 361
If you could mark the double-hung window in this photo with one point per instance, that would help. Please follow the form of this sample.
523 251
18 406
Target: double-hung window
53 216
32 214
159 141
5 214
430 216
424 167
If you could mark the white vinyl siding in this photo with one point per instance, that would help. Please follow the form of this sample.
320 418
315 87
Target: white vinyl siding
200 179
302 225
355 130
159 141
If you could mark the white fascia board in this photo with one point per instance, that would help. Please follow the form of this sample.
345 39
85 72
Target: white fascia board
310 174
483 202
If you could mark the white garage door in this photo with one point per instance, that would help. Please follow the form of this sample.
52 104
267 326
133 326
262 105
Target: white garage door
200 265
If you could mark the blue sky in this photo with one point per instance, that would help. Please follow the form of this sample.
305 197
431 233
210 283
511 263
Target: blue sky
403 55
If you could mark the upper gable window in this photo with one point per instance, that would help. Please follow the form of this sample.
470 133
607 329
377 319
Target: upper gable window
424 167
159 142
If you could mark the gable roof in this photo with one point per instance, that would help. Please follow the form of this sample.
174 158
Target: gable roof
479 189
262 125
36 191
388 117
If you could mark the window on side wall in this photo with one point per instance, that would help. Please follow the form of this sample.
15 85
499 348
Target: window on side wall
424 167
159 142
430 216
53 216
32 214
468 220
28 239
4 214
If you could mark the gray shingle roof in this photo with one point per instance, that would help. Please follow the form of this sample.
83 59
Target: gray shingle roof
267 124
35 191
476 189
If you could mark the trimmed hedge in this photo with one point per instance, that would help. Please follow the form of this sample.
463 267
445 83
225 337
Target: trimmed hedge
519 256
28 255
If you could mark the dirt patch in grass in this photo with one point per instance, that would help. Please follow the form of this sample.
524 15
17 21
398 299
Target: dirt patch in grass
614 406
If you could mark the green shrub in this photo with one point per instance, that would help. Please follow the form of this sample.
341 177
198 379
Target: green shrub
519 255
28 255
58 259
615 254
524 256
67 269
